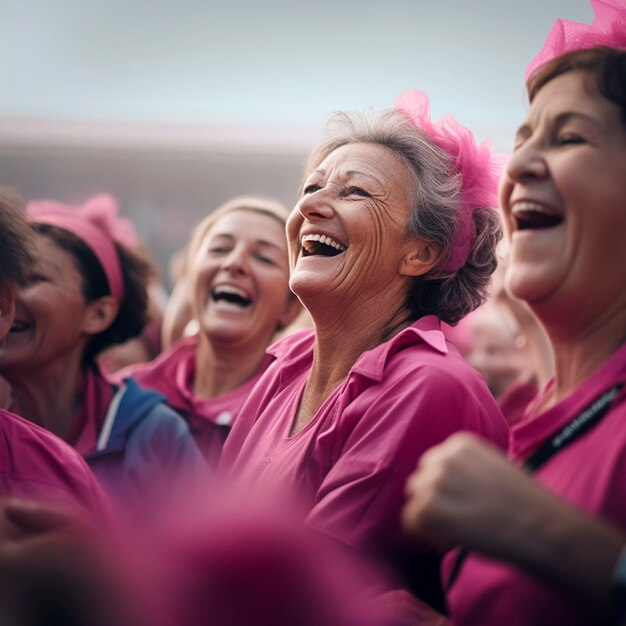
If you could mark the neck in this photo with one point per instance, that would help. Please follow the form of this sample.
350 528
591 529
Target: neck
51 395
222 368
338 345
579 353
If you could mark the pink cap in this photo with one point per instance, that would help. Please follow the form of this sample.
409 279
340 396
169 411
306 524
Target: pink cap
97 225
607 29
479 169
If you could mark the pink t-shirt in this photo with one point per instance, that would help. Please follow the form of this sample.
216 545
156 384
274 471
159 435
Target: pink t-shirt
590 473
350 463
173 374
36 465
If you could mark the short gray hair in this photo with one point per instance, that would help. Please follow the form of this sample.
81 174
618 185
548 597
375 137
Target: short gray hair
436 209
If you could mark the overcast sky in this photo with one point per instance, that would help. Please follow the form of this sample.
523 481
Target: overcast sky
270 62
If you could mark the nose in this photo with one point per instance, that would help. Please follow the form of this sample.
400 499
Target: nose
235 262
526 162
317 205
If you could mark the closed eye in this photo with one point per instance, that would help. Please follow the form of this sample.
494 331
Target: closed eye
311 189
569 139
357 191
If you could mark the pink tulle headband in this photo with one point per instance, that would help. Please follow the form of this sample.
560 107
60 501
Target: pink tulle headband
607 29
479 169
97 225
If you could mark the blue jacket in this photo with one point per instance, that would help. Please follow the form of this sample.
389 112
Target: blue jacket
142 444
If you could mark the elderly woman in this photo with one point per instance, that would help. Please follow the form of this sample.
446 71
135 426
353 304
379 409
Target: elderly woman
237 284
392 233
550 541
33 463
84 293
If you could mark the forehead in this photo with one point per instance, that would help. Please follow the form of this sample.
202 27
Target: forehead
370 159
248 224
572 92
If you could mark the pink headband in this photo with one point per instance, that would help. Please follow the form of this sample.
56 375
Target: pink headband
479 169
97 225
607 29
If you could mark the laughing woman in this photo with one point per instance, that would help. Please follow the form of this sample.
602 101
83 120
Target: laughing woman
393 232
237 284
85 293
548 543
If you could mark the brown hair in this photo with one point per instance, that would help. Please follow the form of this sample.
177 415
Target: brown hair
604 67
17 241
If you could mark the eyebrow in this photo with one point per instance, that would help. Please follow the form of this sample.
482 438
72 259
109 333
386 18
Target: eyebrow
561 119
261 242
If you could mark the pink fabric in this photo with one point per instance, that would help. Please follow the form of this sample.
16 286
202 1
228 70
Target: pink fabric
479 169
607 29
173 374
350 462
36 465
98 394
515 400
590 473
97 225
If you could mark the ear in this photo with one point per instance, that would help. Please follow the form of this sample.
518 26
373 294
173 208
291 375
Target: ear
292 310
99 315
7 307
422 257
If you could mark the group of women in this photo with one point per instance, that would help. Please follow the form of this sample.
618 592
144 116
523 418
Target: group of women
370 425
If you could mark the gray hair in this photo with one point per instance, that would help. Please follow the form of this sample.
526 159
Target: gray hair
435 213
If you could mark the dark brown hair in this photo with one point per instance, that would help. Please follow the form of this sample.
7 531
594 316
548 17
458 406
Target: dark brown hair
605 69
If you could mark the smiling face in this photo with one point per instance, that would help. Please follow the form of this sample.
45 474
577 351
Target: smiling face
51 316
239 279
347 234
563 197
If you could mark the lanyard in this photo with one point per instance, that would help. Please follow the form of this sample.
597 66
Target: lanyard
582 423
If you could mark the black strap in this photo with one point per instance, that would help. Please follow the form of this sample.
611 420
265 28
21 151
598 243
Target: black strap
578 426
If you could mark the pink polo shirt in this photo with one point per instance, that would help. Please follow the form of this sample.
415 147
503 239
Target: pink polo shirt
350 462
590 473
173 374
36 465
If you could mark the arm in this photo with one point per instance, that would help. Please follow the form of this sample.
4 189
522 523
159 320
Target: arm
466 493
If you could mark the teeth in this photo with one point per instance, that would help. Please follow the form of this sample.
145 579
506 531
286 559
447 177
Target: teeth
529 206
231 290
325 240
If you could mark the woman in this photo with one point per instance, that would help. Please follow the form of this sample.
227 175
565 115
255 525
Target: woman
85 293
237 286
550 541
33 463
392 233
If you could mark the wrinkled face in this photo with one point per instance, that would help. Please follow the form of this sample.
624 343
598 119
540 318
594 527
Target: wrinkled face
50 313
563 197
347 233
239 278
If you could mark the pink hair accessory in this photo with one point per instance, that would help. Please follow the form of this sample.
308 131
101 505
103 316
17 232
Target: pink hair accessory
97 225
478 167
608 28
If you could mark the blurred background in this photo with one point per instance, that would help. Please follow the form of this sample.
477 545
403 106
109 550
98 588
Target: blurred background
174 107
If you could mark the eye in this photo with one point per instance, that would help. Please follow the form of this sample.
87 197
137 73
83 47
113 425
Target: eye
219 249
566 139
265 259
35 278
357 191
312 188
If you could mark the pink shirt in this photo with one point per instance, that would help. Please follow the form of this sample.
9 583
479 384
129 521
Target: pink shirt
351 461
173 374
36 465
590 473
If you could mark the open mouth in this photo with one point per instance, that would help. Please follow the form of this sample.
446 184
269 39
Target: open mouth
532 216
232 295
19 327
321 245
